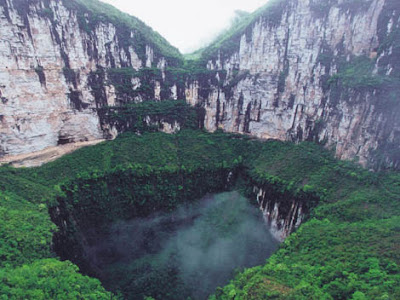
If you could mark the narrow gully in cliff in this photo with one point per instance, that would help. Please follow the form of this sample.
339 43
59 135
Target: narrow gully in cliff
282 218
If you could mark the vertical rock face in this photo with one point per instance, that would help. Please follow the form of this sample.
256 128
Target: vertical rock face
283 213
320 70
325 71
52 73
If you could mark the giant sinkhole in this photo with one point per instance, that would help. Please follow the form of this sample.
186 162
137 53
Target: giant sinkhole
172 233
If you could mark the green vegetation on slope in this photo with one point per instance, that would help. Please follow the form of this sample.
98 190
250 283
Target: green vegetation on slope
229 41
327 260
360 74
25 230
347 248
49 279
25 241
150 116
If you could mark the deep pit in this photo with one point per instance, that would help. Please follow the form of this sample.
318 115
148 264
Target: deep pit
101 198
183 254
139 229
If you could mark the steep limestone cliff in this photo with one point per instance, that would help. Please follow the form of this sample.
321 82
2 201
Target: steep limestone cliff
325 71
320 70
58 61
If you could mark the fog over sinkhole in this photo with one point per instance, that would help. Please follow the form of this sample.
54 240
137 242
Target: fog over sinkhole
186 253
186 24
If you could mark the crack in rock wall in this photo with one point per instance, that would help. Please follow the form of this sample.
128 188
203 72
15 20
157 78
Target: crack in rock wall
293 74
47 66
279 79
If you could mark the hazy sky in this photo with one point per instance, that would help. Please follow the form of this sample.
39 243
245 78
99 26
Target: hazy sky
186 24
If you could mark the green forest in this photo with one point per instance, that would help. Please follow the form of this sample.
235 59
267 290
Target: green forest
346 249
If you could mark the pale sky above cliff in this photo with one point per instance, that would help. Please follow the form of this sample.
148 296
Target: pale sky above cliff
186 24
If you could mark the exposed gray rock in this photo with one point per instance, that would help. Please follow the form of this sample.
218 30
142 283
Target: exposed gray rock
277 79
45 68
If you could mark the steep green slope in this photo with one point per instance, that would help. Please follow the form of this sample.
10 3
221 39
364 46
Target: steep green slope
348 249
229 40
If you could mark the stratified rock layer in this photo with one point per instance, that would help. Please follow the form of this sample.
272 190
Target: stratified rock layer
323 71
277 79
48 68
